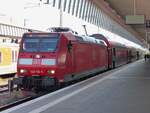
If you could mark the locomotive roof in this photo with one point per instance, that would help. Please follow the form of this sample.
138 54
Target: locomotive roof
109 43
101 37
89 39
117 44
61 29
77 37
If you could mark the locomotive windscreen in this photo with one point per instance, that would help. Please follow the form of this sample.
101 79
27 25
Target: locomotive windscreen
39 43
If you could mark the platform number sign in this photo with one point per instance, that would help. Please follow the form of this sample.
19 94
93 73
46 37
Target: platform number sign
147 23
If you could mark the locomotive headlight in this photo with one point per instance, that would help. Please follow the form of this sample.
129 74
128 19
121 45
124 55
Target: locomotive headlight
23 71
51 71
37 56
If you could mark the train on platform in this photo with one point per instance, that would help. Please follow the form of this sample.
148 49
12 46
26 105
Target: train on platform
52 58
8 57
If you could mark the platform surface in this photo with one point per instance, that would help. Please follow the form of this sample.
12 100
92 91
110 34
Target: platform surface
123 90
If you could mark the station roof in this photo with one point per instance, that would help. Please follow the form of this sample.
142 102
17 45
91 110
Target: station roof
121 8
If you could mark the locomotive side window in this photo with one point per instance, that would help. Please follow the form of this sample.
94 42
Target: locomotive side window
39 44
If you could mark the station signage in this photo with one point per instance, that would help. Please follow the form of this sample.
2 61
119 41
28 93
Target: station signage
135 19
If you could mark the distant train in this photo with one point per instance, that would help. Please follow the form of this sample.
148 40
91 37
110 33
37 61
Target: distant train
47 59
8 57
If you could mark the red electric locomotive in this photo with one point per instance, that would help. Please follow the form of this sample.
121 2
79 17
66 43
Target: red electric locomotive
47 59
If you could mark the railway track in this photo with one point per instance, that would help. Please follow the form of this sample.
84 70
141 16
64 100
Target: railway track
9 97
4 83
12 101
17 102
14 98
29 96
3 88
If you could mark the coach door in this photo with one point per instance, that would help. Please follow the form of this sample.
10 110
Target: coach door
70 53
109 50
114 57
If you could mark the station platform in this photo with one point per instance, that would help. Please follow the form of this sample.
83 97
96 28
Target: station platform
123 90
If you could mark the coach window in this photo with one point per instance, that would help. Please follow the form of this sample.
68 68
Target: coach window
12 56
0 57
0 29
16 56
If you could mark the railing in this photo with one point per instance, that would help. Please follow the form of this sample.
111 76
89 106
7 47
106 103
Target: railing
11 31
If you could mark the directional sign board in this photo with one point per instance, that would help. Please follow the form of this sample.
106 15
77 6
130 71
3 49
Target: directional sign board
135 19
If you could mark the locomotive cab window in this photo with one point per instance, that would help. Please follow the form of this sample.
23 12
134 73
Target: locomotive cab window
40 43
